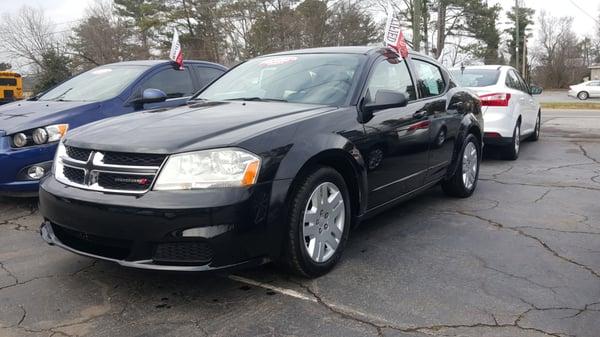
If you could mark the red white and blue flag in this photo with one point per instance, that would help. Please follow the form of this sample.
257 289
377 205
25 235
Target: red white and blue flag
393 36
176 53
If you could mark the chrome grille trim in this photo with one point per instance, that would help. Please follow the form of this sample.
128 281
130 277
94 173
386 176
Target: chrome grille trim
95 166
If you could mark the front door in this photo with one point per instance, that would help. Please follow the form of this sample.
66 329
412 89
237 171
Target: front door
396 140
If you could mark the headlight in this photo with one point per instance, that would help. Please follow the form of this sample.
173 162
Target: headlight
56 132
208 169
40 136
20 139
48 134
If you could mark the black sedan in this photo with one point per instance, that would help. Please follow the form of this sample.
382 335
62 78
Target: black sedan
275 161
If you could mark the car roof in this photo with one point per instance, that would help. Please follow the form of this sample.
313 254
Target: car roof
152 63
485 67
364 50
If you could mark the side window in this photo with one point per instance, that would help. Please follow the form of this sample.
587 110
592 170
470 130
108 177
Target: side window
523 84
391 74
206 75
431 82
175 83
513 82
594 83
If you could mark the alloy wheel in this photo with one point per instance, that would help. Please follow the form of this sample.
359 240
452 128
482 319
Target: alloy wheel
469 165
323 225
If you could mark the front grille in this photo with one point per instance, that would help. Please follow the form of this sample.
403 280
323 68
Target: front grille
74 174
78 154
93 244
183 253
109 171
116 181
133 159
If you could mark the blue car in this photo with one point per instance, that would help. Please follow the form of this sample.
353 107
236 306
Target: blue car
30 130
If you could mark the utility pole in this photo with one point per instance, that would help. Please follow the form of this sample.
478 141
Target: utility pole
517 34
524 73
417 25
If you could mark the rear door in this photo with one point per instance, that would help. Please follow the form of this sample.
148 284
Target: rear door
594 88
443 124
519 99
531 107
205 75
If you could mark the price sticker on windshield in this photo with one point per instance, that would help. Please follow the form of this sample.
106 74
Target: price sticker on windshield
101 71
276 61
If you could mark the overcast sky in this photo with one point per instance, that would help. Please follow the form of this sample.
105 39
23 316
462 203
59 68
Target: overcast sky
64 12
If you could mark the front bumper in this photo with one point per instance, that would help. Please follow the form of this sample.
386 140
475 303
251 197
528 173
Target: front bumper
231 227
14 163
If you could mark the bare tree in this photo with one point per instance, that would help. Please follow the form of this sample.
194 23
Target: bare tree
27 35
100 38
557 55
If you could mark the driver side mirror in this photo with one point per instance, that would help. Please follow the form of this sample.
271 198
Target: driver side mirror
384 99
151 95
535 90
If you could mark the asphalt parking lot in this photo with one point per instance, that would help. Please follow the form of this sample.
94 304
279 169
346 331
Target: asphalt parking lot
519 258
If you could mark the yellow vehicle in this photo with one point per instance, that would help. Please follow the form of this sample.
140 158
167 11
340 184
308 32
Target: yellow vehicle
11 86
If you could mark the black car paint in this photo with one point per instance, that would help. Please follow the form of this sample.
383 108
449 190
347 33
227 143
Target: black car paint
290 139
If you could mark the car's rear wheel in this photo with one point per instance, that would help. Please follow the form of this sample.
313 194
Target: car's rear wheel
319 223
583 95
464 181
511 152
538 128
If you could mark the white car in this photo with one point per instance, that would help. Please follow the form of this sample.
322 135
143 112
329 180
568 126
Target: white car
510 113
585 90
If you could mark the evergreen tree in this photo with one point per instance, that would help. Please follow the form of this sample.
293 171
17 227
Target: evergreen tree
55 68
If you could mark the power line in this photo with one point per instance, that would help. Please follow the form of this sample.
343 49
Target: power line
584 12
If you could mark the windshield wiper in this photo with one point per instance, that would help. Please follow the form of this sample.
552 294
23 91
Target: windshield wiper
59 97
258 99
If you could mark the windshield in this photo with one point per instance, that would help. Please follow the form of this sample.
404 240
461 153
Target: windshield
309 78
98 84
476 77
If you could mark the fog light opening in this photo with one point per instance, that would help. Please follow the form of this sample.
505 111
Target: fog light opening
36 172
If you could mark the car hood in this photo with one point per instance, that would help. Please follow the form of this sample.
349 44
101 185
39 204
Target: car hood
196 126
25 115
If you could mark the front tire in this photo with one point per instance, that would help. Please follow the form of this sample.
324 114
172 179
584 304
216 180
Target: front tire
464 181
583 95
319 223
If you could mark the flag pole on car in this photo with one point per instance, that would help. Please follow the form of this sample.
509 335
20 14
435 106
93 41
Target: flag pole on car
393 36
176 53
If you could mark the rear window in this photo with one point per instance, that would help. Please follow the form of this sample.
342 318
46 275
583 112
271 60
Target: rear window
476 77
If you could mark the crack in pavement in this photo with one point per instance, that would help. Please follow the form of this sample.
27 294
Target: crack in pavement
586 154
485 265
532 237
540 185
558 230
19 283
381 325
542 196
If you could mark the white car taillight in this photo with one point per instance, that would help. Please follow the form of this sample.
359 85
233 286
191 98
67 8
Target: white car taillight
496 99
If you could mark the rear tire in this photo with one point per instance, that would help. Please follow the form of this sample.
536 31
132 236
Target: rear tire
464 181
583 95
319 223
538 128
511 152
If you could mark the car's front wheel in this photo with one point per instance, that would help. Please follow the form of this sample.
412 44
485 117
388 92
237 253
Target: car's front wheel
319 223
583 95
462 184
